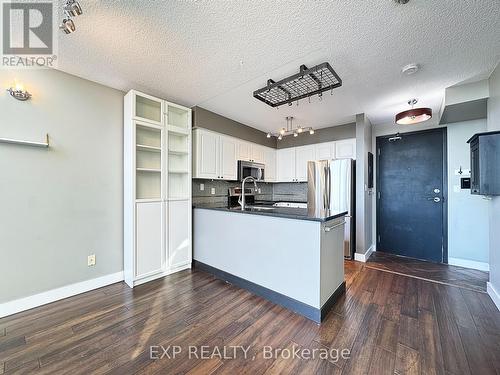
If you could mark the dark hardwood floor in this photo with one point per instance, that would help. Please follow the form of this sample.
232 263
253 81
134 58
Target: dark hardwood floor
437 272
392 324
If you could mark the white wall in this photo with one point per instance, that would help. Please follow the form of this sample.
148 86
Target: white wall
467 239
468 223
62 204
494 124
364 197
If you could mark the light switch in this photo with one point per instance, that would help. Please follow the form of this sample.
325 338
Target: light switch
202 187
212 191
462 172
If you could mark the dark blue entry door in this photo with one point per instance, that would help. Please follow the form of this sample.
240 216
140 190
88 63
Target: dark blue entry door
410 199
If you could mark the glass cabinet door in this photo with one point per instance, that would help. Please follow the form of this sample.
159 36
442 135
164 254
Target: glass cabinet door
148 108
178 117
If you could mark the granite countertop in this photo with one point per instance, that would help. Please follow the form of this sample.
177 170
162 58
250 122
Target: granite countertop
284 212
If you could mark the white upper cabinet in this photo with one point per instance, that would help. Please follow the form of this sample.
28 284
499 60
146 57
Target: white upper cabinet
206 158
214 156
244 151
257 153
286 165
303 155
345 149
270 164
325 151
228 165
250 152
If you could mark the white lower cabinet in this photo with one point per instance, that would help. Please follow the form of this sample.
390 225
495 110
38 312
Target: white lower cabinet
179 234
149 239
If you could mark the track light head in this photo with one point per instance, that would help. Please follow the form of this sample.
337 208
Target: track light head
68 26
72 8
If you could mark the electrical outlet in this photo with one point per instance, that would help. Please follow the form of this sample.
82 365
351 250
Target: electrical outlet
202 187
212 191
91 260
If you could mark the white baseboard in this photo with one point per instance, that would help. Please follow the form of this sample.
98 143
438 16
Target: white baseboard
482 266
364 257
26 303
493 293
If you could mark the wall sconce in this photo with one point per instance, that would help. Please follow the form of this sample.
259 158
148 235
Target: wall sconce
19 92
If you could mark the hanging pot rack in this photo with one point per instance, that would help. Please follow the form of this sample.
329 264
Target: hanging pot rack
308 82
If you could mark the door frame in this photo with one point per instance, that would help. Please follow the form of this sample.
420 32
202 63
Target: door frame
443 131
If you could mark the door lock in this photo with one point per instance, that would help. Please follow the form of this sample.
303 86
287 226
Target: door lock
437 199
437 191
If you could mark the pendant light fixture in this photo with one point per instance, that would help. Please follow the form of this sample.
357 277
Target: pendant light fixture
289 130
414 115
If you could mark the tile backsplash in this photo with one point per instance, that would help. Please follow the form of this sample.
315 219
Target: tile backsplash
294 191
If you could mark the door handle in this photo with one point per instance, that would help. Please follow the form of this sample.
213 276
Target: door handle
435 199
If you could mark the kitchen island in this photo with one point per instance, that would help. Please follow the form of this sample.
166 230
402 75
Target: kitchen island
286 255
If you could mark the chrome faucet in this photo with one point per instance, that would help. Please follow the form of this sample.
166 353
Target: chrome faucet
241 199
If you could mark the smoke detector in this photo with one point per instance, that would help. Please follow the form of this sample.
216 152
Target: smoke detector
410 69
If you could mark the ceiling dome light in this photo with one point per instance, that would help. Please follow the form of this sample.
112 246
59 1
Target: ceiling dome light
413 115
72 8
68 26
410 69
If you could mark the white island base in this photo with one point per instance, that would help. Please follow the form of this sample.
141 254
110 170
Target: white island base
296 263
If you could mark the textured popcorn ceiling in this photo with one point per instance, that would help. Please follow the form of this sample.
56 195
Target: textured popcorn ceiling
216 53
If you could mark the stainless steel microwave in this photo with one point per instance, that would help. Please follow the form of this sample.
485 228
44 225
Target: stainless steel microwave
249 168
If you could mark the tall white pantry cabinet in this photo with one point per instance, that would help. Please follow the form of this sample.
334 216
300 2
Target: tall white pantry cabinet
157 188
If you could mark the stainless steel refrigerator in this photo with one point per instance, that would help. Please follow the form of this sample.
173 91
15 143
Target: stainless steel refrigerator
331 186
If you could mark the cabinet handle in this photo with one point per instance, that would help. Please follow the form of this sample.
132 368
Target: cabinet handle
328 229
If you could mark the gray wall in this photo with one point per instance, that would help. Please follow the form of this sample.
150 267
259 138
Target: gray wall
333 133
62 204
206 119
494 124
203 118
364 197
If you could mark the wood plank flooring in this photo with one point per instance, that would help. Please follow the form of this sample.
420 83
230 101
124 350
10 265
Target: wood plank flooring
437 272
391 324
